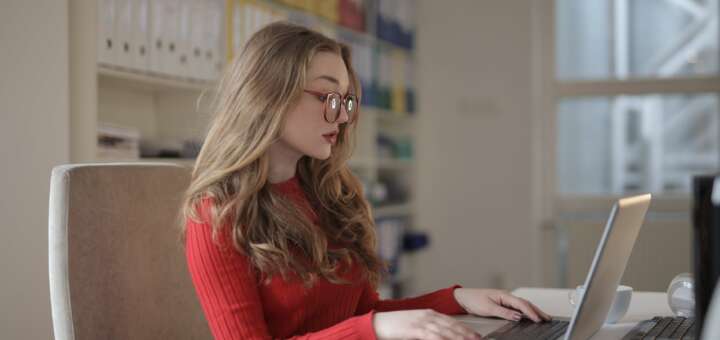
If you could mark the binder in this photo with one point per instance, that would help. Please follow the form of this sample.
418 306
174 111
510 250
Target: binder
249 23
184 40
158 40
123 32
106 44
140 35
408 24
196 59
169 16
362 58
238 27
212 40
261 18
352 14
384 79
409 85
328 9
398 100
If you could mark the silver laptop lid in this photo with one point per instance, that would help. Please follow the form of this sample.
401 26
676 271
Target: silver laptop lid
608 266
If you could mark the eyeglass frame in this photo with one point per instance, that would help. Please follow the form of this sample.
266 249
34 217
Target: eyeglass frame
343 99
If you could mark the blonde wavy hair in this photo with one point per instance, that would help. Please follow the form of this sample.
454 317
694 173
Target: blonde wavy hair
262 84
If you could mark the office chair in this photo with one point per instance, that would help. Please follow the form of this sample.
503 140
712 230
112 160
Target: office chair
117 268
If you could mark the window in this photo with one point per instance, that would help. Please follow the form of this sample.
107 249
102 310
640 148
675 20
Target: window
635 93
636 39
647 143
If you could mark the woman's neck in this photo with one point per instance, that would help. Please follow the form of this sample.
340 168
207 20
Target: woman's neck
283 162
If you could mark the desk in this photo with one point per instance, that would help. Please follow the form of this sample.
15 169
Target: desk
643 306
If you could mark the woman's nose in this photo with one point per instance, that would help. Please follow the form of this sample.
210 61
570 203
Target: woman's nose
343 117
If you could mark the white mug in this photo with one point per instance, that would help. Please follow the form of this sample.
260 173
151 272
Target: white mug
620 304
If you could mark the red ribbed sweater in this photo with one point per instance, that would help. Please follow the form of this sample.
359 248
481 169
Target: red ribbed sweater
236 306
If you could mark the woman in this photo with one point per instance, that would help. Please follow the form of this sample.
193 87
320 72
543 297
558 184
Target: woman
279 240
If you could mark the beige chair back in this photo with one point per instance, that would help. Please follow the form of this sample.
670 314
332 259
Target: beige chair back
117 267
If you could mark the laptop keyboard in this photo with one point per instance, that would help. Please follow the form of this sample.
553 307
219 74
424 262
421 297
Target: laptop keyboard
663 328
527 329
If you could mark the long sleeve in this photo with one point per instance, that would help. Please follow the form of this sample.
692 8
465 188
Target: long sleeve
441 301
226 285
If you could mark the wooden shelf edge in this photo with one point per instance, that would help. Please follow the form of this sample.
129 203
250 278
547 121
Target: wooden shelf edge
396 164
393 210
149 81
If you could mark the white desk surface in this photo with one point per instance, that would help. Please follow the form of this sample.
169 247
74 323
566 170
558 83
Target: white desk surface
643 306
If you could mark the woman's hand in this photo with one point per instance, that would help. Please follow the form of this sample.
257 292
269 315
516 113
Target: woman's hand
493 302
420 324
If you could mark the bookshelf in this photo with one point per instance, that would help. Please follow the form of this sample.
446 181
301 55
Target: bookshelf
163 107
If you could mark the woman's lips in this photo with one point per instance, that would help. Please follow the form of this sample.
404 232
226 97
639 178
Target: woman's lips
331 138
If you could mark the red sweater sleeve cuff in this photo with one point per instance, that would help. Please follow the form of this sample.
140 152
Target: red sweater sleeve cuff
366 330
452 306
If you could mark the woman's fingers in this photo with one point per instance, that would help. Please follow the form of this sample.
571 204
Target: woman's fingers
440 326
542 314
437 330
457 327
520 304
506 313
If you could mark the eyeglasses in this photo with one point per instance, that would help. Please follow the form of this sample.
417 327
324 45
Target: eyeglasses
333 104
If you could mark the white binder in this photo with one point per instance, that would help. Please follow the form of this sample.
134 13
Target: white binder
164 26
184 39
140 35
213 58
249 24
123 33
158 43
195 55
384 71
238 27
362 58
106 44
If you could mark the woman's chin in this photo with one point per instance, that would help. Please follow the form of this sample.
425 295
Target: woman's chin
321 154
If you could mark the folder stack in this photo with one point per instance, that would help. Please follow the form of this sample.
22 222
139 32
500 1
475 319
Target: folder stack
397 85
409 85
177 38
395 22
248 18
106 44
390 236
328 9
117 142
362 62
351 14
384 78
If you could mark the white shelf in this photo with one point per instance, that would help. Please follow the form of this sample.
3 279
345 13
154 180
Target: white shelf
111 76
361 163
395 164
393 210
391 117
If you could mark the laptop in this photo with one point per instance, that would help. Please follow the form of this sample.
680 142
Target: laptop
608 266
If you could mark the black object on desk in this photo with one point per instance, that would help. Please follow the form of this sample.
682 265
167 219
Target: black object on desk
706 242
706 266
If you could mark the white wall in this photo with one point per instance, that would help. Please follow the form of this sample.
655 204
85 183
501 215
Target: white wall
34 118
475 143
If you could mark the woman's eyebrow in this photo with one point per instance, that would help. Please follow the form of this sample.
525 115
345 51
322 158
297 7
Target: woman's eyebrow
330 79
